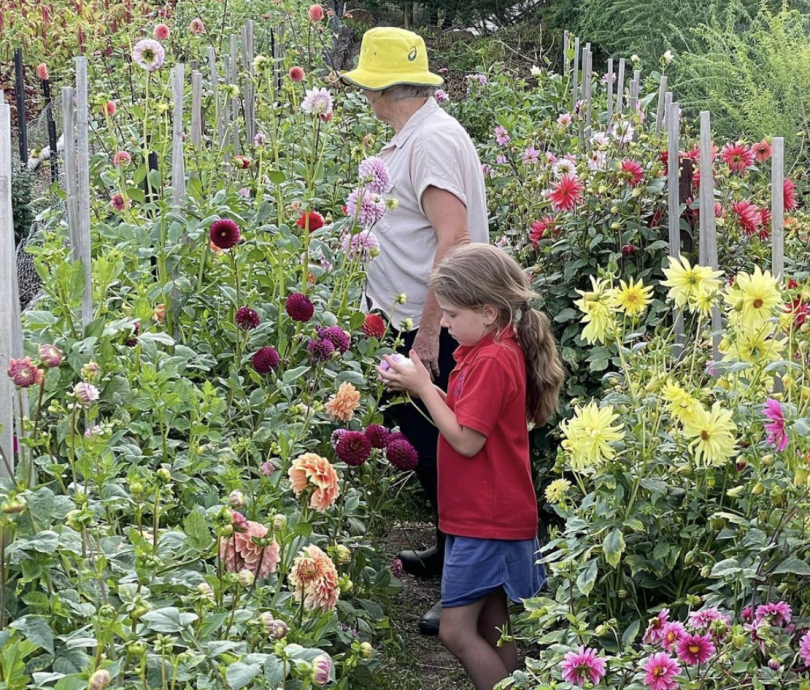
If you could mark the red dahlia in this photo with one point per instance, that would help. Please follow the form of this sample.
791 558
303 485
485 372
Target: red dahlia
337 336
738 157
353 448
762 151
540 228
628 249
373 326
632 172
401 454
246 318
315 220
296 73
265 360
225 233
748 215
789 194
378 435
299 307
566 194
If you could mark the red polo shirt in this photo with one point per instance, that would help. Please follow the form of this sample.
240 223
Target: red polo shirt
490 495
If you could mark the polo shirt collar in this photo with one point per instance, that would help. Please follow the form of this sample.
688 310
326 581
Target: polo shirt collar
465 353
430 107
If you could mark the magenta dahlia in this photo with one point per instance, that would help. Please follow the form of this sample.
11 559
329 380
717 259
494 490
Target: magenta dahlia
265 359
695 649
247 319
353 448
320 350
583 665
337 336
225 233
401 454
378 435
299 307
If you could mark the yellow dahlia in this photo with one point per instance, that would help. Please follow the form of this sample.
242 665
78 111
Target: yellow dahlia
598 317
679 403
557 491
685 281
631 298
754 298
588 436
754 346
714 436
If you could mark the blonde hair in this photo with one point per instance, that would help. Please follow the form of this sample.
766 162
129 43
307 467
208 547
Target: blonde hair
479 274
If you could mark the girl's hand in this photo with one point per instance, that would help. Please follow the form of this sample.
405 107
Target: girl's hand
411 376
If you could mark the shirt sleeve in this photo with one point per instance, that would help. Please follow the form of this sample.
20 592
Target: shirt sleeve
436 163
486 390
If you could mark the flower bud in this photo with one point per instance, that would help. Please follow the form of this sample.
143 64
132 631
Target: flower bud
401 298
205 590
366 650
268 623
164 475
321 669
13 506
738 641
392 204
280 630
99 680
226 531
601 630
246 578
407 324
623 594
237 499
279 521
89 371
758 489
343 555
136 488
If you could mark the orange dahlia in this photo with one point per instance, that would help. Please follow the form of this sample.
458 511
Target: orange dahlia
240 552
342 404
312 471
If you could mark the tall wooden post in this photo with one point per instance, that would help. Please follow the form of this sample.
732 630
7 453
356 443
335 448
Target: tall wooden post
674 207
778 207
708 225
8 307
82 248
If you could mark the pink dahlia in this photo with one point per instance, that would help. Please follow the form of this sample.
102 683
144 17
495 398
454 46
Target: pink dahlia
632 172
121 159
315 13
109 108
501 135
374 173
583 665
148 55
320 350
777 437
265 360
747 615
762 151
738 157
296 73
540 229
373 326
363 246
50 355
299 307
748 216
378 435
321 664
311 219
789 194
672 634
401 454
196 26
247 319
705 617
655 630
337 336
365 206
24 373
240 552
804 649
42 71
317 102
119 202
661 671
161 32
776 613
353 448
695 649
225 233
86 393
566 193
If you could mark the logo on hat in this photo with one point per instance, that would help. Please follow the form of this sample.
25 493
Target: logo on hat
412 54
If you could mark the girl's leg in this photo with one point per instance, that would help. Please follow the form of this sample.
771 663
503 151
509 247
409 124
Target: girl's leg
495 615
459 633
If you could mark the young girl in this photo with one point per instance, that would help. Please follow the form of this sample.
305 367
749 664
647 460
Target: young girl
507 371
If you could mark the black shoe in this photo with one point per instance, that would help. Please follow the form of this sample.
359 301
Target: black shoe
429 623
427 563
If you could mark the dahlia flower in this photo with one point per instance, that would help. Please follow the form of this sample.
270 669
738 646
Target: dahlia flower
265 360
401 454
583 665
299 307
247 319
50 355
148 54
296 74
321 670
695 649
589 435
320 350
316 13
566 193
353 448
86 393
239 552
777 436
762 151
161 32
225 233
121 159
804 649
341 405
317 101
373 326
776 613
661 671
377 434
632 172
24 373
365 206
749 216
337 336
501 136
738 157
655 630
196 26
671 635
312 471
374 174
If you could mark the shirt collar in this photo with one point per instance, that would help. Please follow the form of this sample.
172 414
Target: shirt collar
464 353
430 107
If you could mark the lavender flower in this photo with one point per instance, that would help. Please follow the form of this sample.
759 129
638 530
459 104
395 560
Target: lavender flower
317 102
365 206
148 54
375 174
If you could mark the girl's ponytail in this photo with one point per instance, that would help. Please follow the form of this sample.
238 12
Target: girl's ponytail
544 371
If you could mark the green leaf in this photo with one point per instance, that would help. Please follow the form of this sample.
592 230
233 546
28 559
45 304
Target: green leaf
587 578
726 568
197 532
239 675
565 315
792 565
169 620
614 547
293 374
41 504
631 633
44 542
37 630
655 486
277 177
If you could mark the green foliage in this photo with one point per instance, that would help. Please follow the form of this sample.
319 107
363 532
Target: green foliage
22 184
752 74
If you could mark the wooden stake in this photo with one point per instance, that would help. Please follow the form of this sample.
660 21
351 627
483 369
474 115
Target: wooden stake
178 165
249 88
8 308
609 91
620 88
83 168
576 76
196 109
234 105
588 85
708 224
674 208
71 183
212 66
778 207
659 116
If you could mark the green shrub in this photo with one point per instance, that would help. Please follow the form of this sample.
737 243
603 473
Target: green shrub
22 183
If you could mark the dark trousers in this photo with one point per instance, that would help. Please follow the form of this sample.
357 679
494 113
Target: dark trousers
423 435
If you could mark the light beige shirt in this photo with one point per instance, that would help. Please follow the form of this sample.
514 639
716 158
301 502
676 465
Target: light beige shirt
431 149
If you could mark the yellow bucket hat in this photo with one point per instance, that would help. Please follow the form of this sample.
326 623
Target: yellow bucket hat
390 56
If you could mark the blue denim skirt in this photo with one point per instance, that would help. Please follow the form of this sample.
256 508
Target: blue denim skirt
474 568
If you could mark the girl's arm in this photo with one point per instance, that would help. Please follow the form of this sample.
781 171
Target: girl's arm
416 380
